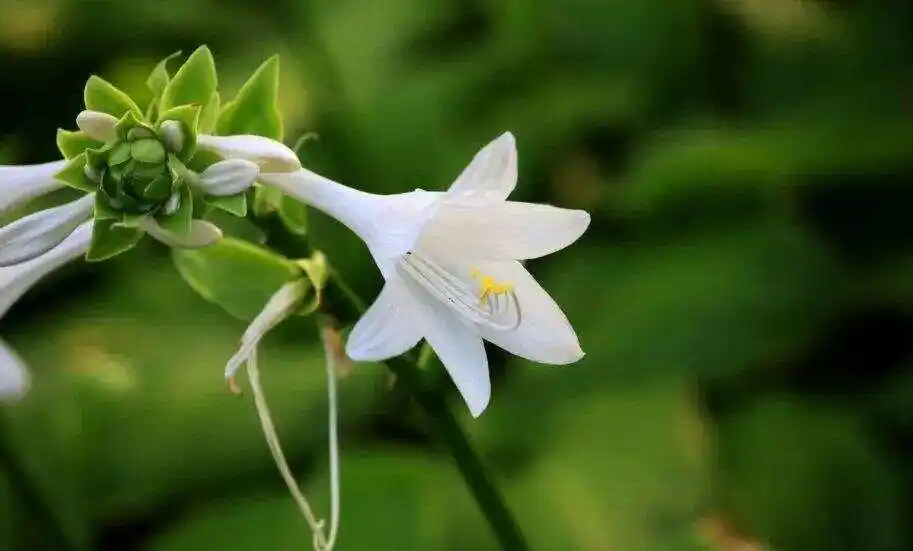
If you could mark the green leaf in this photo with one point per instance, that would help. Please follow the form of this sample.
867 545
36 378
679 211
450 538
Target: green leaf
103 209
71 144
255 110
160 77
266 200
237 275
178 223
74 175
194 83
148 150
101 95
234 204
294 215
110 239
210 114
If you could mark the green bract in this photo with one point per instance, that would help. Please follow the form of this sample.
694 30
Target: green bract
145 171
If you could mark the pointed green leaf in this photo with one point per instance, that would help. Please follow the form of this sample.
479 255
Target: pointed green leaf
210 114
110 239
237 275
71 144
101 95
234 204
74 174
178 223
160 77
266 200
103 208
255 110
194 83
294 215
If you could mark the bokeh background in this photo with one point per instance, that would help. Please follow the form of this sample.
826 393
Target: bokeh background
744 295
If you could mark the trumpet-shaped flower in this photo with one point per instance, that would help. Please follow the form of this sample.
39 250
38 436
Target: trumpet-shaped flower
21 184
15 281
453 271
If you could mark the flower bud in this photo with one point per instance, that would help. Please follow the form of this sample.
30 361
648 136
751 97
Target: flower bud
14 379
228 177
97 125
269 155
37 233
173 135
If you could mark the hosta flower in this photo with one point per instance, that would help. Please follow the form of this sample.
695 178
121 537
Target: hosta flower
452 265
15 281
21 184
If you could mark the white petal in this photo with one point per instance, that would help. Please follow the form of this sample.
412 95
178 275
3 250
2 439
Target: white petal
202 234
16 280
39 232
20 184
544 335
390 225
14 379
508 230
389 327
97 125
270 155
457 345
493 171
228 177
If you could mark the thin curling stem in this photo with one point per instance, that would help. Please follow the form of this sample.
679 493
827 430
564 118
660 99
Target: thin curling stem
321 542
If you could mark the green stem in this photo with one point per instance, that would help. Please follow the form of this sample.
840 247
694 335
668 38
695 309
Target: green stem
448 429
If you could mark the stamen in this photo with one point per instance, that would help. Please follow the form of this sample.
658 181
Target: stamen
489 306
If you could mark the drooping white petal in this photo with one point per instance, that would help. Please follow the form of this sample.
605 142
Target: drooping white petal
97 125
280 306
389 327
16 280
39 232
270 155
544 335
228 177
506 230
492 174
458 346
20 184
202 233
14 379
390 225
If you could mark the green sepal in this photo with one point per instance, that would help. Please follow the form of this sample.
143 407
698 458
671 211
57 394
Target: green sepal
110 238
148 150
157 82
101 95
194 83
234 204
128 122
238 276
189 117
103 209
74 174
71 144
294 215
178 222
119 154
266 200
255 110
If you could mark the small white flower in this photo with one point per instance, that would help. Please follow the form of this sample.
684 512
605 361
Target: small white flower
228 177
15 281
39 232
452 265
269 155
21 184
97 125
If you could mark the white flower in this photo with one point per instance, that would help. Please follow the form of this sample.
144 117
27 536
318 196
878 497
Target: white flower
452 265
15 281
37 233
21 184
228 177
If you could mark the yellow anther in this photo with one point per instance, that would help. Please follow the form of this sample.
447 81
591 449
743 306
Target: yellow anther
489 287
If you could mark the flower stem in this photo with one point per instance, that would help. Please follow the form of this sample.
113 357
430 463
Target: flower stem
476 476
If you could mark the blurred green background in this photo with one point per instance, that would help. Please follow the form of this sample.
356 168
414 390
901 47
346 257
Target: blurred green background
744 295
